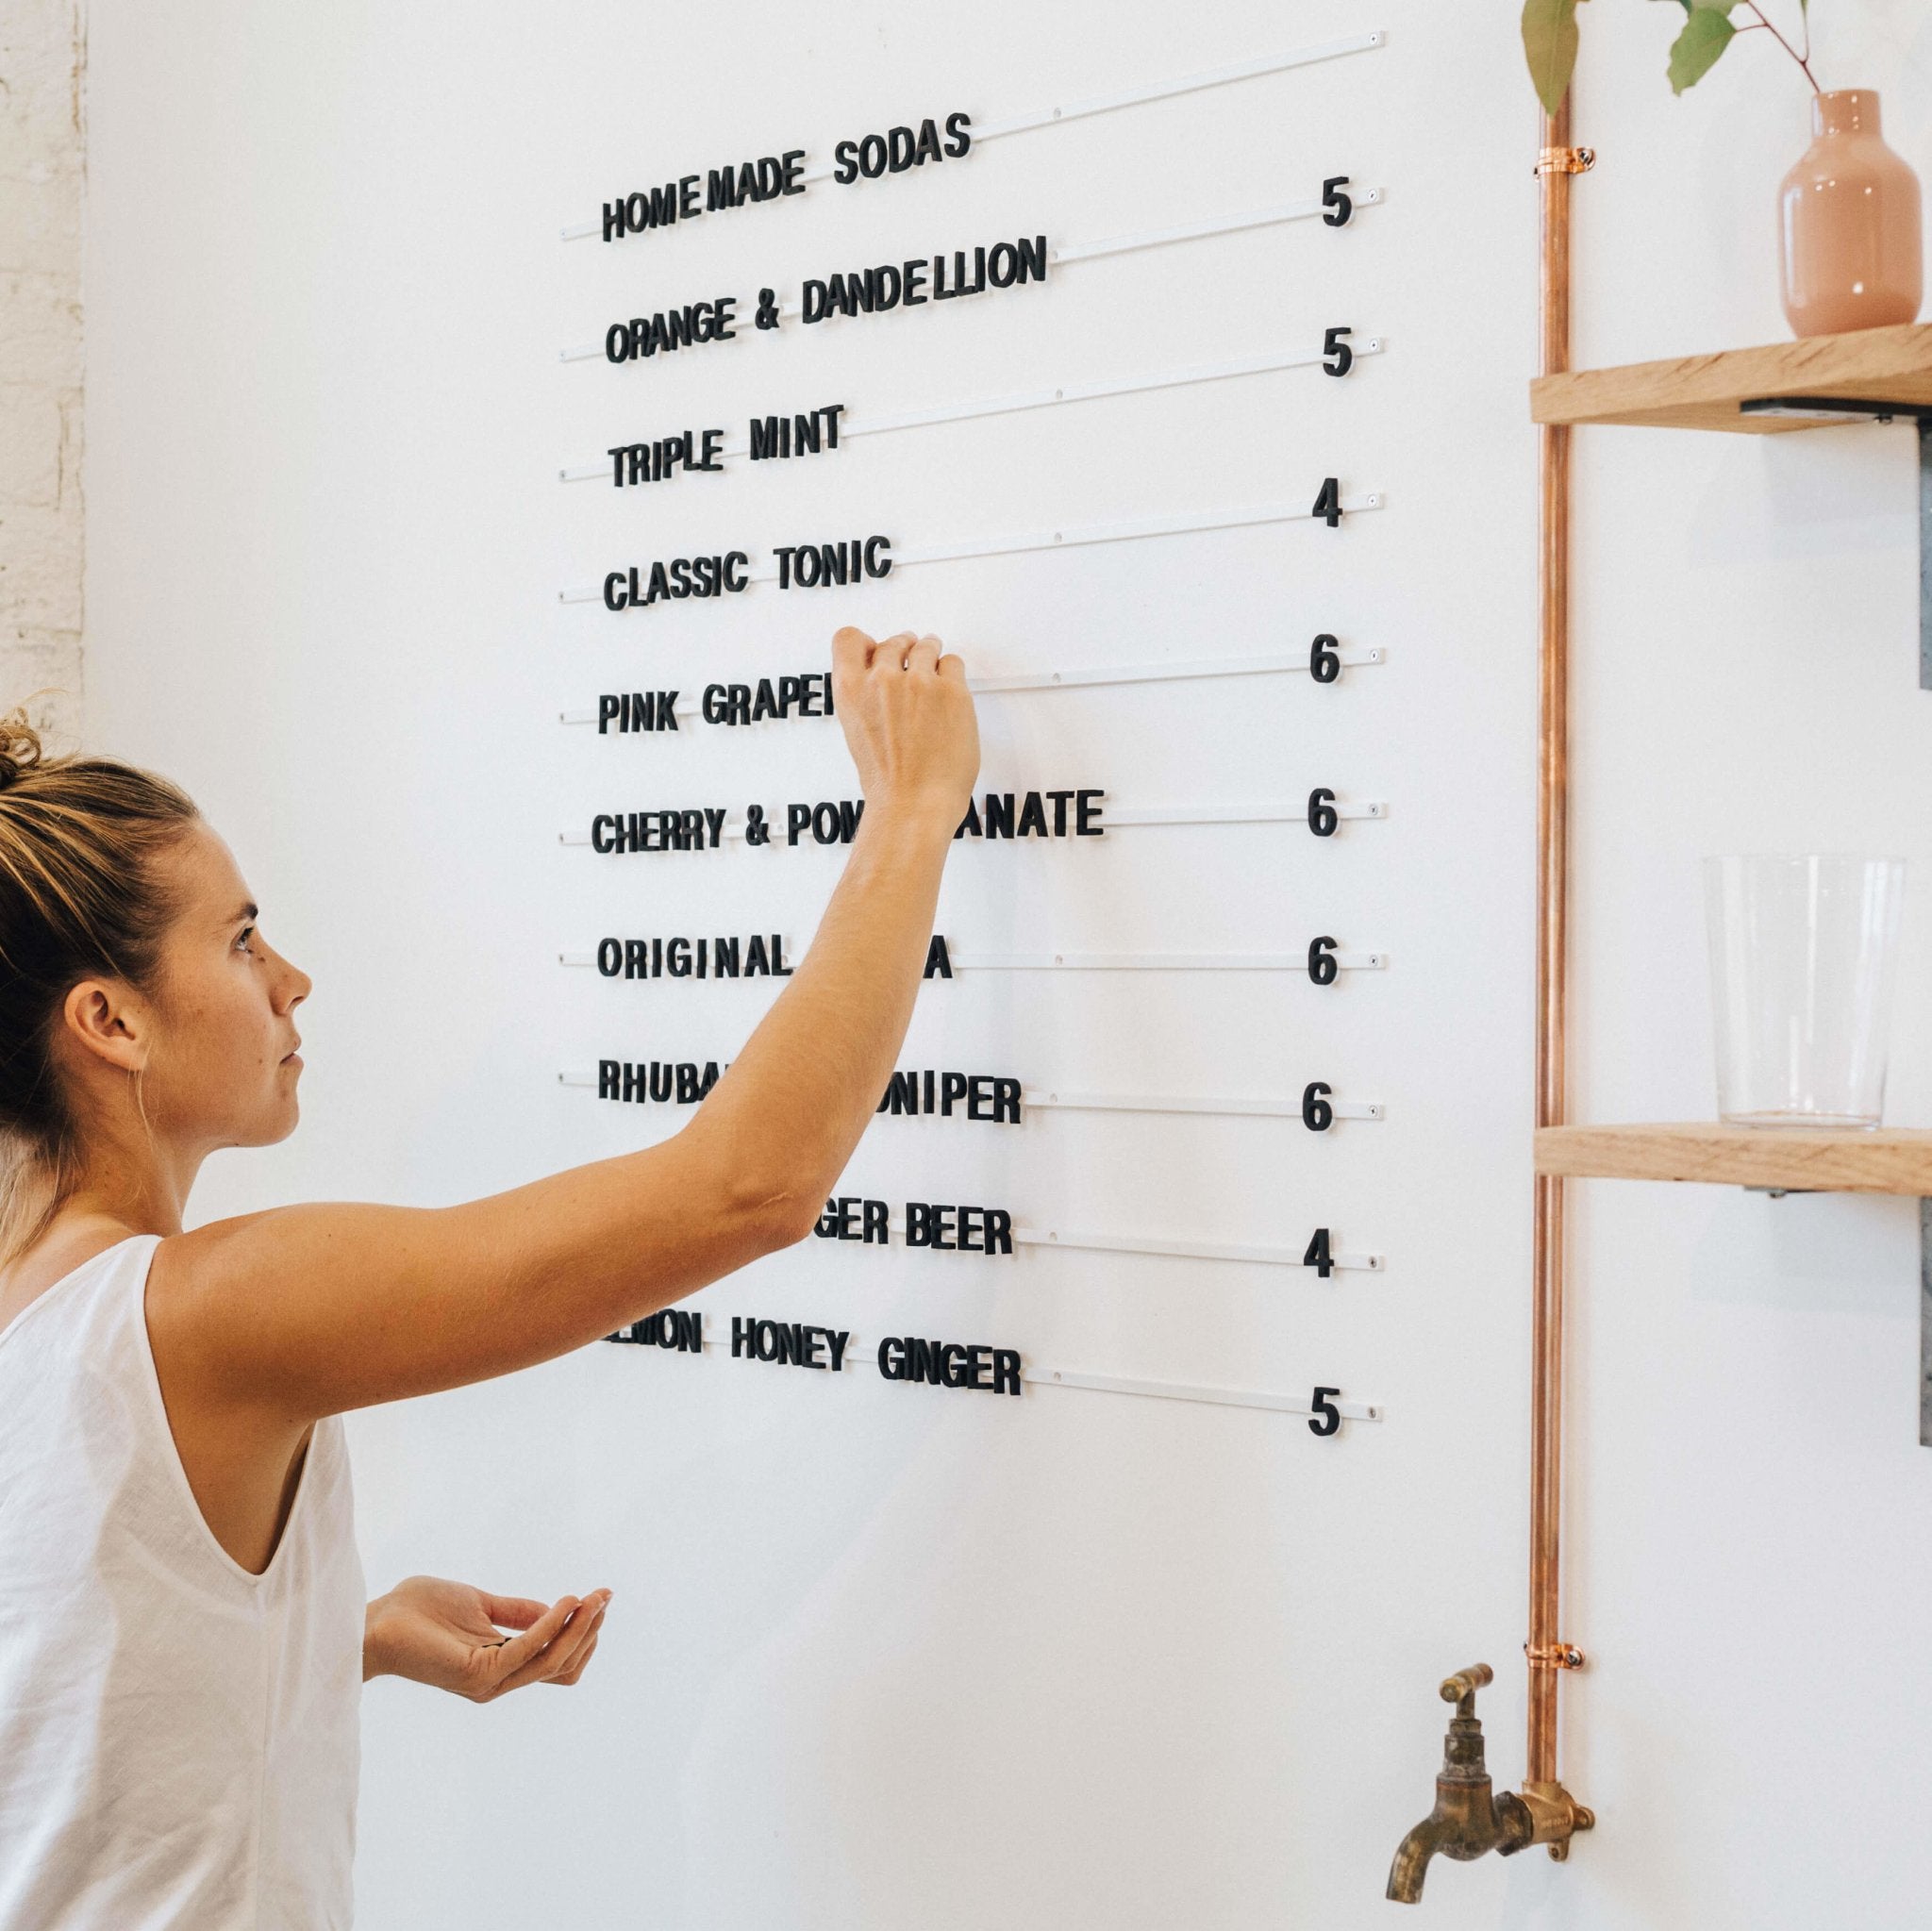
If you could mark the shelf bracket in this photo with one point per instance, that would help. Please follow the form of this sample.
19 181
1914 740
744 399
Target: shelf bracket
1924 1267
1925 1324
1853 408
1924 552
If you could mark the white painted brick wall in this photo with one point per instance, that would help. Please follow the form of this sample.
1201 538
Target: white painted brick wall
42 174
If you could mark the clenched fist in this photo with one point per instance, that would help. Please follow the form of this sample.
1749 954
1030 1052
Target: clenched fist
908 723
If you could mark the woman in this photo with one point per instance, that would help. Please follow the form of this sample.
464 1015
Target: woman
182 1625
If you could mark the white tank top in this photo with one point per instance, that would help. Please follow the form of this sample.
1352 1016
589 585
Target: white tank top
178 1738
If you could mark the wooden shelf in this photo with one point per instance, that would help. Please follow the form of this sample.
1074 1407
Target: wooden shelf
1889 1160
1704 391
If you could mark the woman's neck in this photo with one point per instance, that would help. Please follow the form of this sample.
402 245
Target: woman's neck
147 1195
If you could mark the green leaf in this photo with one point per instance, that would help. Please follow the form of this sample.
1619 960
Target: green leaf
1549 41
1694 52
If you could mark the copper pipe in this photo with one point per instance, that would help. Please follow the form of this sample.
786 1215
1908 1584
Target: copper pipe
1470 1818
1553 653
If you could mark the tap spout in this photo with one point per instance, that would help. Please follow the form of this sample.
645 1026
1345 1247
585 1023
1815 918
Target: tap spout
1469 1821
1413 1856
1470 1818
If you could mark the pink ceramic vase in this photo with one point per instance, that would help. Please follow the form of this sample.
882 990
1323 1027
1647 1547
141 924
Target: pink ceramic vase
1848 224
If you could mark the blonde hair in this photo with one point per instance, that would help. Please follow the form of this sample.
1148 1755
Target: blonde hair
80 897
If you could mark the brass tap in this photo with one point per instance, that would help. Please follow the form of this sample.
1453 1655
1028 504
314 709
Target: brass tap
1468 1819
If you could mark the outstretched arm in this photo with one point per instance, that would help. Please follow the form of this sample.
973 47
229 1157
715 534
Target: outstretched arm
310 1310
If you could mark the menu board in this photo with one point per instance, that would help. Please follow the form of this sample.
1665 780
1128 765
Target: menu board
752 493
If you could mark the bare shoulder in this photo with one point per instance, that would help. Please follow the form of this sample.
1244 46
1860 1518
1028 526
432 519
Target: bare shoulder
285 1246
65 1247
225 1299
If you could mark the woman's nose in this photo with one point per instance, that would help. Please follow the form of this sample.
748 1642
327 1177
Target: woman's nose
293 984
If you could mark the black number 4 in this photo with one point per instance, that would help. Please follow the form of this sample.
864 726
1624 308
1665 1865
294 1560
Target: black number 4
1328 503
1319 1256
1326 1417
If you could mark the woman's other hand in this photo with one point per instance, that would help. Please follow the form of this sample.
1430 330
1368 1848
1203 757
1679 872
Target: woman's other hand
451 1637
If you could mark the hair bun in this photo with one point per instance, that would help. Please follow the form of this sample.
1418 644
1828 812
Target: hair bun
20 747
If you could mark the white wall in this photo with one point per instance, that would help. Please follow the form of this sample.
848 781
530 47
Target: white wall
1751 1522
42 171
884 1656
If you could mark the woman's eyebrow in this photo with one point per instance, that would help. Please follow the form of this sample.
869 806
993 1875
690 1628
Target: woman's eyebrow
249 912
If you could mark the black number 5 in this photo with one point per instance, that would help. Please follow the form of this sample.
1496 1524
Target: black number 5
1333 346
1326 1417
1337 205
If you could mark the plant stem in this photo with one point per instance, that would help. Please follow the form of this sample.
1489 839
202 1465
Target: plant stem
1803 59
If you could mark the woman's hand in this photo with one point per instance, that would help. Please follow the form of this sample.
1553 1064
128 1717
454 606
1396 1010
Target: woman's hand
451 1637
908 723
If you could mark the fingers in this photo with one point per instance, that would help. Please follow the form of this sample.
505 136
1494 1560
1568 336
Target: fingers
576 1668
565 1650
952 668
889 653
512 1612
904 651
516 1654
571 1651
852 650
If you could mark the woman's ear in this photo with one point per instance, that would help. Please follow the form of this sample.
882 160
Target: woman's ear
107 1021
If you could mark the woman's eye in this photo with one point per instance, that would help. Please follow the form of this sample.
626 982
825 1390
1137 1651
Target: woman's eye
243 940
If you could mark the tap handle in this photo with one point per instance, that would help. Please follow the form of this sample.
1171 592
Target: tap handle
1463 1685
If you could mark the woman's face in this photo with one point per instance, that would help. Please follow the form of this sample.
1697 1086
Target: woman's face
221 1066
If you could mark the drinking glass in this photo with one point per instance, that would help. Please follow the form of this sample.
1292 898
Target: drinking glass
1803 956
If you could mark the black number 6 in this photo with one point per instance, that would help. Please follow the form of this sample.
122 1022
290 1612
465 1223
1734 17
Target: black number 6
1323 817
1324 666
1339 206
1318 1116
1322 966
1332 344
1326 1417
